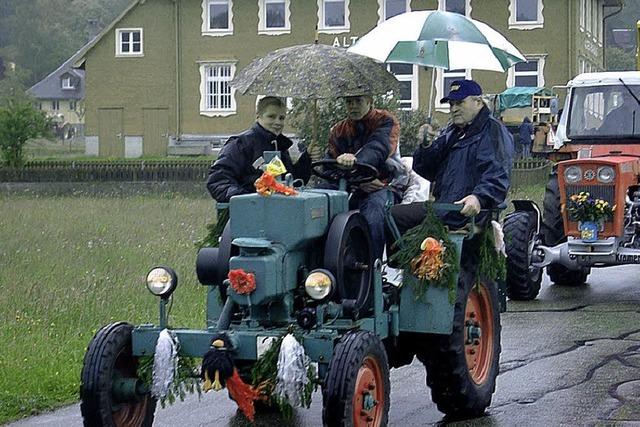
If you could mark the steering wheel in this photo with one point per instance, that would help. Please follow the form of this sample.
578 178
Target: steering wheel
330 170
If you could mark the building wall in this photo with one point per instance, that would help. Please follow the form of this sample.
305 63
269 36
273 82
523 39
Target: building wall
150 81
134 83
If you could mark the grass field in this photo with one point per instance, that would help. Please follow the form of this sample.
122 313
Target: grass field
69 265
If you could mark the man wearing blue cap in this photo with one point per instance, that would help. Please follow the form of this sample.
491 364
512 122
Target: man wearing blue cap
469 163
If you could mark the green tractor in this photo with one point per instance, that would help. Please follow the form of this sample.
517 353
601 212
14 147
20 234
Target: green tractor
314 275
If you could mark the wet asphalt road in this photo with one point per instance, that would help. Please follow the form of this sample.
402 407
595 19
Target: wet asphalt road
569 358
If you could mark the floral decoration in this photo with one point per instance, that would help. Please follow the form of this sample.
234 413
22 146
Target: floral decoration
242 282
583 207
266 185
429 264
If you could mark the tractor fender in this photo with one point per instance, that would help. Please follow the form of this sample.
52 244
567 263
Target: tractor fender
531 208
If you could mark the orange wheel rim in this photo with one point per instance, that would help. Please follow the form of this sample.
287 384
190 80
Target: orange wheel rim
478 334
368 399
131 414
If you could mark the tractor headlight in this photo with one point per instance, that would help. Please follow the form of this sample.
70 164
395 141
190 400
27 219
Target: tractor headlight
573 174
606 174
162 281
319 284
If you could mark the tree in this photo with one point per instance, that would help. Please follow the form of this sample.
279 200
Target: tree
19 122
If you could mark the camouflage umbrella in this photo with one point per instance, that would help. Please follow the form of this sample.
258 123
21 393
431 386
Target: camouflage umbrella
314 71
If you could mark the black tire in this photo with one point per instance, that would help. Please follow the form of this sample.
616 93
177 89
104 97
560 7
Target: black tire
109 355
523 280
462 367
553 234
358 372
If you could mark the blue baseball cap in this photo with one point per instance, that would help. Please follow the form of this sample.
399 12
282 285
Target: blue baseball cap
460 89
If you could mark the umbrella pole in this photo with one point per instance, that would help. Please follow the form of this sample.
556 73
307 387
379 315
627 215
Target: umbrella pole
432 89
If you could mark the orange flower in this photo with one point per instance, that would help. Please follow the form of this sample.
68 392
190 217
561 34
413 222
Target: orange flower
242 282
429 264
266 185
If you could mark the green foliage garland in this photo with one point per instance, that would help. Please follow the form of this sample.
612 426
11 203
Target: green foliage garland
215 230
186 379
492 264
265 372
409 248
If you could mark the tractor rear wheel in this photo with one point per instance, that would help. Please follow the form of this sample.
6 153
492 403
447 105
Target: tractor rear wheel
356 387
553 233
523 280
109 361
462 367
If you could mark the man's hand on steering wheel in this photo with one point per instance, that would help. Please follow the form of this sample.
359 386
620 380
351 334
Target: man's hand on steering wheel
346 160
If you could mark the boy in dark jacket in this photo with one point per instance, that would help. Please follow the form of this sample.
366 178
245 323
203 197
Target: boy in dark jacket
235 171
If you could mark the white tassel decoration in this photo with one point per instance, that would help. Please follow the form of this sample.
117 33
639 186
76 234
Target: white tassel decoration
292 371
498 238
165 364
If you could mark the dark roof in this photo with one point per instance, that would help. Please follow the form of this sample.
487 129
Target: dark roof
51 86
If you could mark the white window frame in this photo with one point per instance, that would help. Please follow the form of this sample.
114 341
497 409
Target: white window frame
413 78
119 33
205 110
73 105
67 83
262 18
583 12
333 30
216 32
540 59
382 9
442 5
525 25
442 91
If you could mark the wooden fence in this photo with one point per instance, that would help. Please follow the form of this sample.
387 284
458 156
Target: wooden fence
87 171
525 171
530 172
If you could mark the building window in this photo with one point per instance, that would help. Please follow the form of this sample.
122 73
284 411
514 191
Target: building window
583 12
390 8
274 17
407 75
72 105
129 42
217 17
333 16
55 105
216 95
444 78
66 82
463 7
525 14
530 73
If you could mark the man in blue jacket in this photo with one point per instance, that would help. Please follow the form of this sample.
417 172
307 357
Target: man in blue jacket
469 163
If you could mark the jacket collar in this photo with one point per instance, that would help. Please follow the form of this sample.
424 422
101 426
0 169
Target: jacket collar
284 143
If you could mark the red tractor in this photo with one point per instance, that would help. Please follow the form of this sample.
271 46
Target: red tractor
591 208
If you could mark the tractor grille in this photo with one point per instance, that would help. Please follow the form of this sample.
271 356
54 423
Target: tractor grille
604 192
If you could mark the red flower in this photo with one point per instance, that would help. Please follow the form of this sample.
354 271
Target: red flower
242 282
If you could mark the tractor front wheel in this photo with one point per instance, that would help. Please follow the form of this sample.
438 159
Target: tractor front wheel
462 367
110 392
523 280
356 387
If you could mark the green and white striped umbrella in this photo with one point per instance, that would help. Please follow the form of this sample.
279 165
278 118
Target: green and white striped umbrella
438 39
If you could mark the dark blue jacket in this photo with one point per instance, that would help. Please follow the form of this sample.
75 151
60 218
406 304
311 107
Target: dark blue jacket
526 130
474 160
233 172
